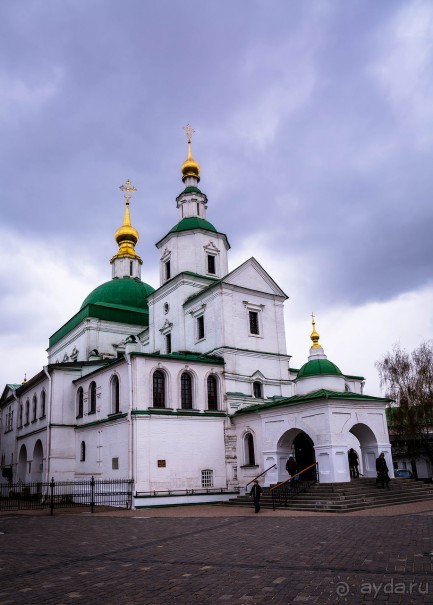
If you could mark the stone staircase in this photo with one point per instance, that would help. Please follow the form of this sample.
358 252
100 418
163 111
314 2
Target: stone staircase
359 494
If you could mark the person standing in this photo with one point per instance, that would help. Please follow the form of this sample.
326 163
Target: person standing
291 468
255 493
353 463
382 470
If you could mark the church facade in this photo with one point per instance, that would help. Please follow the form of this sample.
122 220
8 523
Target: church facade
186 388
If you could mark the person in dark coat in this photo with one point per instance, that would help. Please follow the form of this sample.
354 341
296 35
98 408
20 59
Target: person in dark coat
382 470
291 467
353 463
255 493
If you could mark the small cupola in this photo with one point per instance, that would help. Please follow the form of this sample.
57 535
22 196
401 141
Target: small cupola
318 373
126 262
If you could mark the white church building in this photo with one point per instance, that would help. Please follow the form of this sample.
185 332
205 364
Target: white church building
187 387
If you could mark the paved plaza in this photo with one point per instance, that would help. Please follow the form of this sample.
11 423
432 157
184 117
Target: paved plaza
218 555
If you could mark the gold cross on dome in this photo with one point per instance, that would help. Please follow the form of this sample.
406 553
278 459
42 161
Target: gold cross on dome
189 130
129 190
312 318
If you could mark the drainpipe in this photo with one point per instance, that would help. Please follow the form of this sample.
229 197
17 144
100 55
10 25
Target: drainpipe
50 398
15 452
131 470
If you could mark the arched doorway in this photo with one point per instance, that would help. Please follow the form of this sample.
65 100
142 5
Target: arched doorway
304 454
298 444
367 449
37 464
22 464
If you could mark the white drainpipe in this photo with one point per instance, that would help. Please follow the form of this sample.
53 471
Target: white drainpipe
50 398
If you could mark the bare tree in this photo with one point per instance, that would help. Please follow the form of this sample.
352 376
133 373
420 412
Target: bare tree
408 381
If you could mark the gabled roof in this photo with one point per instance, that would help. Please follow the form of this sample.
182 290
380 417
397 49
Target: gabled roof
311 397
242 277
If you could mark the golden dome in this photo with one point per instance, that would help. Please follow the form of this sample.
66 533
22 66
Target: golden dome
190 166
126 236
315 336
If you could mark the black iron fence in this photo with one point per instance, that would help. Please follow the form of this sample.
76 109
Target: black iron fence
65 494
285 491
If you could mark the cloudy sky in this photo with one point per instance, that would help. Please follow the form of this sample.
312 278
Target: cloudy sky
314 132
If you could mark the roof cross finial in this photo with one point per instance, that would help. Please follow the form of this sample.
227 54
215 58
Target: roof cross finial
128 189
189 130
314 335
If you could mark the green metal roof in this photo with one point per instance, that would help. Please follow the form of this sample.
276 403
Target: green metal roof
193 357
193 222
192 190
317 367
123 292
126 315
317 395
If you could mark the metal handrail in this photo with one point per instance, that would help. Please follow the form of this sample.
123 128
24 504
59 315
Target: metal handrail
307 468
252 480
290 487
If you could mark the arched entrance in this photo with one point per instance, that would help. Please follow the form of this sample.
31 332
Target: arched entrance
304 454
367 449
298 444
37 461
22 464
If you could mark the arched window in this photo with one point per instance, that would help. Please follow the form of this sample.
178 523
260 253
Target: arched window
212 393
35 408
115 395
80 403
92 398
158 389
20 417
249 449
43 404
83 451
27 411
257 390
186 391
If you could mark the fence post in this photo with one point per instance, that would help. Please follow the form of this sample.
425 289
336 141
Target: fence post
92 493
52 485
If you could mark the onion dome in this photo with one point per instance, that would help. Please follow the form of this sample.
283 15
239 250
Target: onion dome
120 293
317 367
127 236
190 168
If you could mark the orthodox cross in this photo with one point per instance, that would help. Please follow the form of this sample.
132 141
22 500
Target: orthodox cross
128 189
312 318
189 131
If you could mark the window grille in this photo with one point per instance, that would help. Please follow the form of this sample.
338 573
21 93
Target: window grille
207 478
212 393
92 396
158 389
254 322
186 391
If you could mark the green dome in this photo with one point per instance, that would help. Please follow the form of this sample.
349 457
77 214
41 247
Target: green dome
193 222
123 292
316 367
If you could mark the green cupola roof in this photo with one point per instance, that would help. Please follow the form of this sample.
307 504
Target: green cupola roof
318 367
193 222
123 292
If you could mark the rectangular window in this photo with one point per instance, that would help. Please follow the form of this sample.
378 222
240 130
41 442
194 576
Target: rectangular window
254 322
200 327
211 264
168 343
167 270
207 478
115 464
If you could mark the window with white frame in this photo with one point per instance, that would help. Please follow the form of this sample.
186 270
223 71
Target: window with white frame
254 319
207 478
211 266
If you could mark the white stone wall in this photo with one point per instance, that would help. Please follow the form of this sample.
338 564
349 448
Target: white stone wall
104 336
187 251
